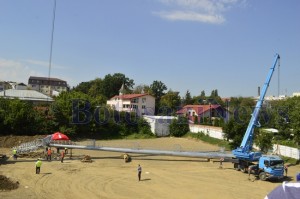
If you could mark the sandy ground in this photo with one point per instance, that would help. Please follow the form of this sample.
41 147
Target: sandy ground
108 176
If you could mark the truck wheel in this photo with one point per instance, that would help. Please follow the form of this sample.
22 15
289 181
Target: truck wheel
236 166
262 176
244 170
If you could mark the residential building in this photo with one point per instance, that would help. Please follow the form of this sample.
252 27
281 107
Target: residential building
210 111
46 85
142 104
296 94
18 86
4 85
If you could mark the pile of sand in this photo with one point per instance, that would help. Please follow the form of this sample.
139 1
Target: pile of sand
33 154
86 158
13 141
7 184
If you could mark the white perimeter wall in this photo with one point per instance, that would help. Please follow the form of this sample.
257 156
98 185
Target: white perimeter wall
211 131
216 132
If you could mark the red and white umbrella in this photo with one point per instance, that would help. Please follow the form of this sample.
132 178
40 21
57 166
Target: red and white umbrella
59 136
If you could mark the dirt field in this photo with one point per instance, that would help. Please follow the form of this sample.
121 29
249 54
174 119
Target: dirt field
109 177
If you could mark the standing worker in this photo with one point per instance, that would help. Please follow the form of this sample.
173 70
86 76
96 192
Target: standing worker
221 163
252 169
139 172
286 170
66 150
38 165
62 156
15 154
49 152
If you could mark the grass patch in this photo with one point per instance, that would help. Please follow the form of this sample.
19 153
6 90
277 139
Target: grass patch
140 136
210 140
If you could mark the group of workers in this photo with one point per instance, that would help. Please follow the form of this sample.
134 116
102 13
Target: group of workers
38 163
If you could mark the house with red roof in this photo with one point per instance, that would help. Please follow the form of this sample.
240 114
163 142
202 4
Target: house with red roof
142 104
211 111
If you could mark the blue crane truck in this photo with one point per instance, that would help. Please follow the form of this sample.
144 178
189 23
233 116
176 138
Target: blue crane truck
264 166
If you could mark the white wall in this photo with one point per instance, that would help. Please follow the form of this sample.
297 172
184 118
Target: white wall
211 131
286 151
216 132
159 124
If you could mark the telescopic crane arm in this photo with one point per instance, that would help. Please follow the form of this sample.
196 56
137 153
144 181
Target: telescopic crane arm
246 146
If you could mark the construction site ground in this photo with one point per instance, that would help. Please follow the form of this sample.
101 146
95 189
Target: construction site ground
107 176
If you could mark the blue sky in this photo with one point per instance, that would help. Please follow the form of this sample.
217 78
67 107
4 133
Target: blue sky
192 45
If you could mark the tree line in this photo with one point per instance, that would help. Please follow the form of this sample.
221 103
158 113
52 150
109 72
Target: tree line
24 118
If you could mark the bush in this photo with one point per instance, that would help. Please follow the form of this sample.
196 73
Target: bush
179 127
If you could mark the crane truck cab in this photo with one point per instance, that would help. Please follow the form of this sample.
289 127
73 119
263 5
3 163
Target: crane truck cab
270 166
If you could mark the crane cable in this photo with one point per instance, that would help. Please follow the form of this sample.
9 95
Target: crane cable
51 46
278 78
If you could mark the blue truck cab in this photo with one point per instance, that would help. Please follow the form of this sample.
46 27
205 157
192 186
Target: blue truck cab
270 166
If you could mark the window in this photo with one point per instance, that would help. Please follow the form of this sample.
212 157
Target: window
135 100
143 100
143 107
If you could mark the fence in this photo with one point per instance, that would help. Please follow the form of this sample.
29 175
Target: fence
216 132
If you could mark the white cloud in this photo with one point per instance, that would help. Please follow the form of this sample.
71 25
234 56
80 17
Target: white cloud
12 70
44 64
205 11
192 16
20 71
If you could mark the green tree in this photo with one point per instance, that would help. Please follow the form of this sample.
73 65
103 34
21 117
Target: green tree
188 98
179 127
263 140
83 87
95 88
157 89
142 89
171 101
18 117
112 84
202 95
63 110
234 131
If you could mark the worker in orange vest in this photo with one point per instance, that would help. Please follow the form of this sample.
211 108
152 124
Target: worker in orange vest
49 152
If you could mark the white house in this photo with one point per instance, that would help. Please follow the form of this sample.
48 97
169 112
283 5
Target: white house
142 104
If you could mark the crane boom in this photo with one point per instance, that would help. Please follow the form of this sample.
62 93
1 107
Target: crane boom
244 151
